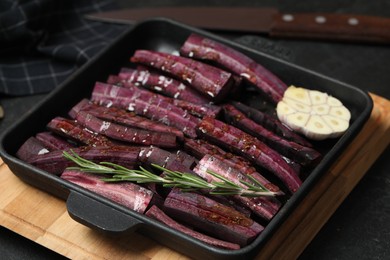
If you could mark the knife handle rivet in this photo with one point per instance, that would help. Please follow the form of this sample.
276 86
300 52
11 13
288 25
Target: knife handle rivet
353 21
287 17
320 19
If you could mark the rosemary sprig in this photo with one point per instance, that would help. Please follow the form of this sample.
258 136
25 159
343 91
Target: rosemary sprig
181 180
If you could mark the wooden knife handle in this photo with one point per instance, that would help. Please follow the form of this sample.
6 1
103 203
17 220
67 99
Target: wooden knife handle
341 27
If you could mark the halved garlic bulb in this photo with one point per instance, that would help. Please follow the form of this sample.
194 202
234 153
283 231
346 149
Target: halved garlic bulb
313 113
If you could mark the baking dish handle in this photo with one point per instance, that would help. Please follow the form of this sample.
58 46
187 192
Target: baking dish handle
98 215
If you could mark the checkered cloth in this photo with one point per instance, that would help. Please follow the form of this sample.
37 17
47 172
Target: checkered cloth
42 42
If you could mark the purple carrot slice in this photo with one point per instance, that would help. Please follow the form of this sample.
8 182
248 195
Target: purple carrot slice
199 148
144 104
271 123
54 161
230 202
84 104
196 109
210 81
118 81
199 110
53 142
251 148
175 161
301 154
211 217
202 48
155 213
126 194
30 148
125 134
167 113
162 84
265 207
294 165
123 117
74 131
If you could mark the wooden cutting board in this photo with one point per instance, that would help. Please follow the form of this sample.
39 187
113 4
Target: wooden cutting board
43 218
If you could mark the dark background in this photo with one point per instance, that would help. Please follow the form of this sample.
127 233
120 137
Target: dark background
360 228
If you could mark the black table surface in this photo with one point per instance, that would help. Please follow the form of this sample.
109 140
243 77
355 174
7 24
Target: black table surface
360 228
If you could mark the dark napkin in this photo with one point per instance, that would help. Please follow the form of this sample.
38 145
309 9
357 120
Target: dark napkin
42 42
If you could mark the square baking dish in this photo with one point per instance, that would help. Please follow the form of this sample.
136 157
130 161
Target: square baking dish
97 212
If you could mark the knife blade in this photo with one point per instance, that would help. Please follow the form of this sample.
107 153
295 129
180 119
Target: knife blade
320 26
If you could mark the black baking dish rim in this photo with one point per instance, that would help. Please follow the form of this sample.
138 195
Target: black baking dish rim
166 35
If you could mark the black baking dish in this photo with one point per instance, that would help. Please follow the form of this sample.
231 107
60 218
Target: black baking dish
98 212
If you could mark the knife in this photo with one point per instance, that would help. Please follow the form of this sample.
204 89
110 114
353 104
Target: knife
320 26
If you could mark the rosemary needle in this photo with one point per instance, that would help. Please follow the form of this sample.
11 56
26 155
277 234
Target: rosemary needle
185 181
